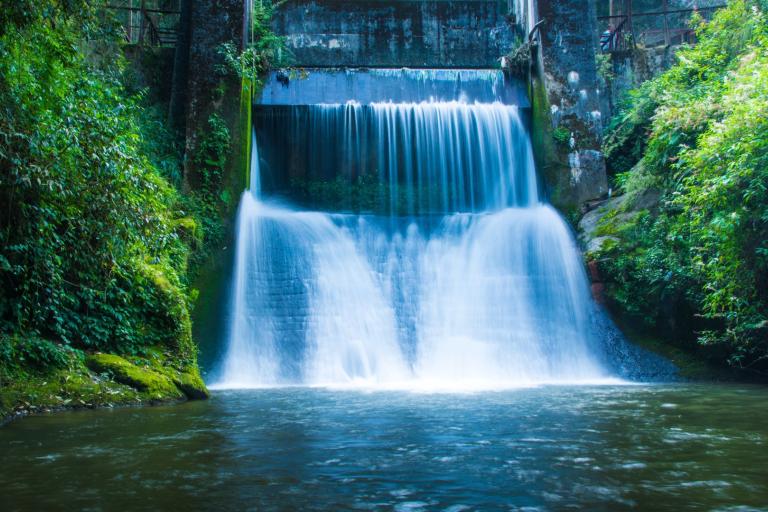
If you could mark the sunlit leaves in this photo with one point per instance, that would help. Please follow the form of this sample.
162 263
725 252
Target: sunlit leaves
708 149
89 249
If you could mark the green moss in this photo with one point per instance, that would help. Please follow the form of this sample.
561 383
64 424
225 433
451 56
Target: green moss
154 374
26 392
98 380
191 384
545 150
561 135
186 226
612 223
144 380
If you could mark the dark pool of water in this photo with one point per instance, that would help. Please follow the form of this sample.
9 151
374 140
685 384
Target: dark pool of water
682 447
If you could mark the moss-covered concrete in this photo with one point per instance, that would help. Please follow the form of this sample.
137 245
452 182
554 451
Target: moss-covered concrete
213 278
230 97
567 119
98 380
546 152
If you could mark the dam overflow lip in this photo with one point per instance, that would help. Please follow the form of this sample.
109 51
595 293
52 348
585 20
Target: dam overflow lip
315 86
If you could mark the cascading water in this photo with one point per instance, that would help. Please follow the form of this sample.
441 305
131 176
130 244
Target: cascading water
525 12
470 281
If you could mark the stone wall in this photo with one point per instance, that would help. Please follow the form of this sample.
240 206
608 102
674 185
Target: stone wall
400 33
633 67
566 98
209 91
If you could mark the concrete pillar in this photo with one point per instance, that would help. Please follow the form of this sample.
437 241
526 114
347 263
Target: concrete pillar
567 95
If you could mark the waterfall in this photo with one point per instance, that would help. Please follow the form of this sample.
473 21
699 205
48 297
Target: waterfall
525 11
433 157
464 279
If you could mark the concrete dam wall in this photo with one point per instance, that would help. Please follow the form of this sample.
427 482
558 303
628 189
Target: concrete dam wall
399 33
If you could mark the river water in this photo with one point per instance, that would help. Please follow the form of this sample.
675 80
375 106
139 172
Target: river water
660 447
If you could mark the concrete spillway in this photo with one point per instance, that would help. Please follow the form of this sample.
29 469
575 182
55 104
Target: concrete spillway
478 285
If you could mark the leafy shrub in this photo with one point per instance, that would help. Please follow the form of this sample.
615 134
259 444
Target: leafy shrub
265 50
34 353
209 198
90 255
707 151
561 135
42 354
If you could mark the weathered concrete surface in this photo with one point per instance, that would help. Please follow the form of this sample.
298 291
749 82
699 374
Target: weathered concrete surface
401 33
567 91
633 67
210 91
213 22
312 86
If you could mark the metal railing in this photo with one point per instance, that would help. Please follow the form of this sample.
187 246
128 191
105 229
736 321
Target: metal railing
664 27
147 22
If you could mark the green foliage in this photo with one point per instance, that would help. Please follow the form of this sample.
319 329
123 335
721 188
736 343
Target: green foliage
265 50
627 133
34 353
209 198
212 150
42 353
707 150
519 59
561 135
159 143
22 13
90 250
604 63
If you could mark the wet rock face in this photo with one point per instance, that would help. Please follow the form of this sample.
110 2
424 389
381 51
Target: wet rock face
406 33
568 44
630 361
567 71
587 179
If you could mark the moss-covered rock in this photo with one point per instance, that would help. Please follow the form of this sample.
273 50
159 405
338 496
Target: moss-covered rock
142 379
593 226
28 392
191 384
152 375
98 380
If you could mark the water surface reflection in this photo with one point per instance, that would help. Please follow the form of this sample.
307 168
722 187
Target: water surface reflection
682 447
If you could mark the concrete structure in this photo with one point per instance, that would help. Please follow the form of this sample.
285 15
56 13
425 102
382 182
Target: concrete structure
396 33
567 100
476 34
565 92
